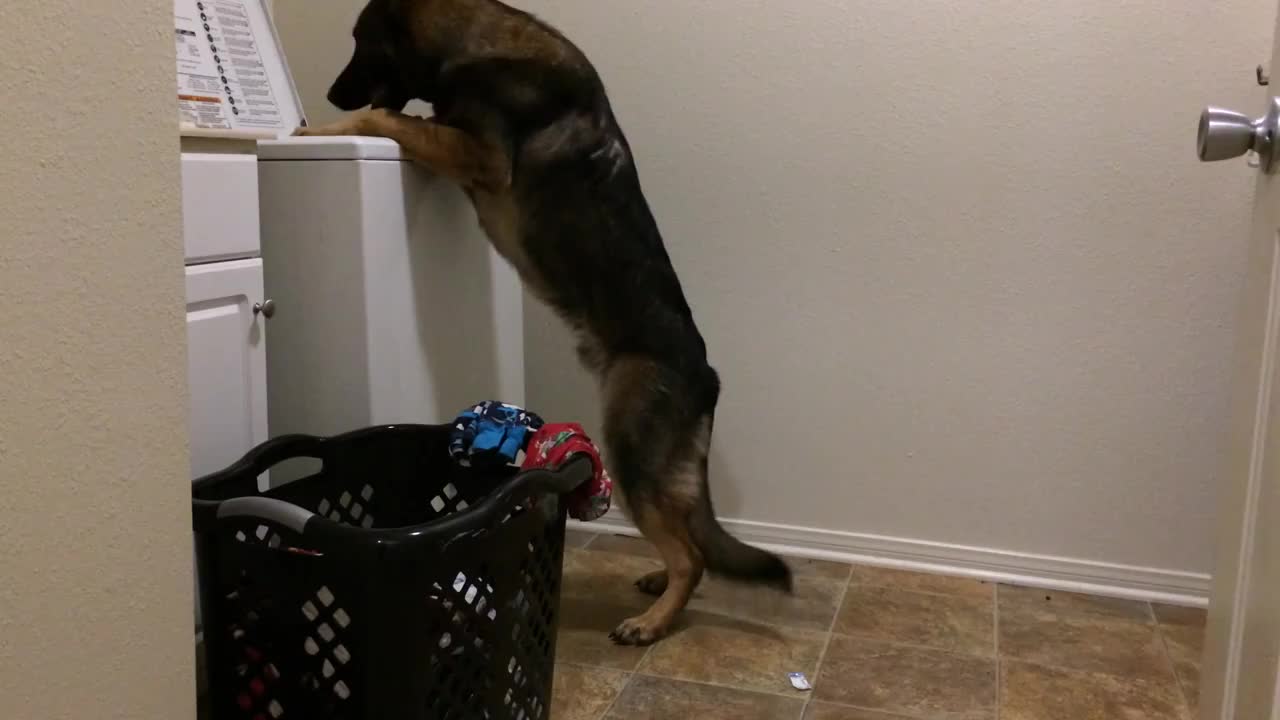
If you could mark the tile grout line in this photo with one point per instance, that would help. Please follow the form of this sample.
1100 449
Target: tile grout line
916 646
609 708
831 631
631 675
1168 656
718 686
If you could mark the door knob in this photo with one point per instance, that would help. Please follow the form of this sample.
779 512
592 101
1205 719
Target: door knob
266 308
1224 134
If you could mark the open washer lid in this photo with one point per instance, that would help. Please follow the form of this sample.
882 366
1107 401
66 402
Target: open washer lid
233 80
330 148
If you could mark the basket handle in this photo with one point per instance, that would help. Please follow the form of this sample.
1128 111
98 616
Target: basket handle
264 508
563 479
559 481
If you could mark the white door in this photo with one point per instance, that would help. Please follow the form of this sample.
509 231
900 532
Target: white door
226 362
1241 669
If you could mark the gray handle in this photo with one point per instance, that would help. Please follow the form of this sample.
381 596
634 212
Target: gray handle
266 308
276 511
1226 134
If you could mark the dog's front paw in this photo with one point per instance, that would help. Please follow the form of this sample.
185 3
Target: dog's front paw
361 122
636 631
340 128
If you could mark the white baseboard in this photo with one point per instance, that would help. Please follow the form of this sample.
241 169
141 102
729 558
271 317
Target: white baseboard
1044 571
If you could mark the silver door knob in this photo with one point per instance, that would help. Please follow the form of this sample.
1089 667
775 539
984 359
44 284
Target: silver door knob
1224 134
266 308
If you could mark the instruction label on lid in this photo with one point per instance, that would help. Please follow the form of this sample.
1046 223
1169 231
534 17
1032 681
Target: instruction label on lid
231 74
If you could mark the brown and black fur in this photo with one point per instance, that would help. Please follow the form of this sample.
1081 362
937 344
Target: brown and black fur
523 124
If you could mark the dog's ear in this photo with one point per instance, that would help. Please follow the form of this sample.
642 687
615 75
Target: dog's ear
397 11
394 24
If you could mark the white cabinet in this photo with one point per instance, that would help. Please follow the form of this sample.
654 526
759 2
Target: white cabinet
220 206
226 338
226 362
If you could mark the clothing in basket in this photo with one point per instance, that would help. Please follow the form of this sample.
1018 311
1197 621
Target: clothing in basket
491 434
554 445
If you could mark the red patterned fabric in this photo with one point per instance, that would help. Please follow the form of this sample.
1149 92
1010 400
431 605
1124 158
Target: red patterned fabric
554 445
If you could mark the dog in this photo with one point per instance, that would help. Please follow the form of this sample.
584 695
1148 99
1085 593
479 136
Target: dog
523 124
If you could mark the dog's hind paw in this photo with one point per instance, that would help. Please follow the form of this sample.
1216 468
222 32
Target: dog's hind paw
636 631
655 583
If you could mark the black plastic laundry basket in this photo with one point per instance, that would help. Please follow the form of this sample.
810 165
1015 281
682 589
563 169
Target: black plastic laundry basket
390 584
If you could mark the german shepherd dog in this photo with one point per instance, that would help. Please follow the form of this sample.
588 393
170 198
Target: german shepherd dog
522 123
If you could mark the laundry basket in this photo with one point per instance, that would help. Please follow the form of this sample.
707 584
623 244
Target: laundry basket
391 583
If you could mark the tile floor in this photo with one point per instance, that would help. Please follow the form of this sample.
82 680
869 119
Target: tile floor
877 645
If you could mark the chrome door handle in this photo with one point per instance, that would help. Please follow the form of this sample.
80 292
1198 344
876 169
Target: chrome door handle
1224 134
266 308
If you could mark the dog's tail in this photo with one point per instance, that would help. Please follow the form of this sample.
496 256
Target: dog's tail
723 553
733 559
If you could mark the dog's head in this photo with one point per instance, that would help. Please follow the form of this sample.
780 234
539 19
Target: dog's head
380 73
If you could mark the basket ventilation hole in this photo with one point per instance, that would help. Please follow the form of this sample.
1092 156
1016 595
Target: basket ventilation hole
324 507
367 493
276 709
450 491
325 595
341 690
311 646
341 616
345 500
437 503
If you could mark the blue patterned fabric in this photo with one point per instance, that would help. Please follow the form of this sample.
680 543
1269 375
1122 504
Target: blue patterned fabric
491 434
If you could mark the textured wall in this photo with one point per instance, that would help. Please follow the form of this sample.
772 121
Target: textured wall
956 262
95 528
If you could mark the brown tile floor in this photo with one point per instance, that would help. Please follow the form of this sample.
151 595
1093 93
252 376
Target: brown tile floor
877 645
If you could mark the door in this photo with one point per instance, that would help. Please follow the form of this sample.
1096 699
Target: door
226 365
1241 669
226 362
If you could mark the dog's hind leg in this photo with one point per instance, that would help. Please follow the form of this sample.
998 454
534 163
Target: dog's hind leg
653 456
668 530
654 583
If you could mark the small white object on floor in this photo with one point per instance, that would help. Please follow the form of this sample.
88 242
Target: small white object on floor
799 681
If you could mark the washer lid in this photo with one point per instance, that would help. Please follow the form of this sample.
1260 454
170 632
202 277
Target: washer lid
330 148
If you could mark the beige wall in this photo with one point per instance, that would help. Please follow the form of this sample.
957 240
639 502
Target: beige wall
956 262
95 554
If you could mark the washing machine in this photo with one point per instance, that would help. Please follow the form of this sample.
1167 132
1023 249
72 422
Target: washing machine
388 304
